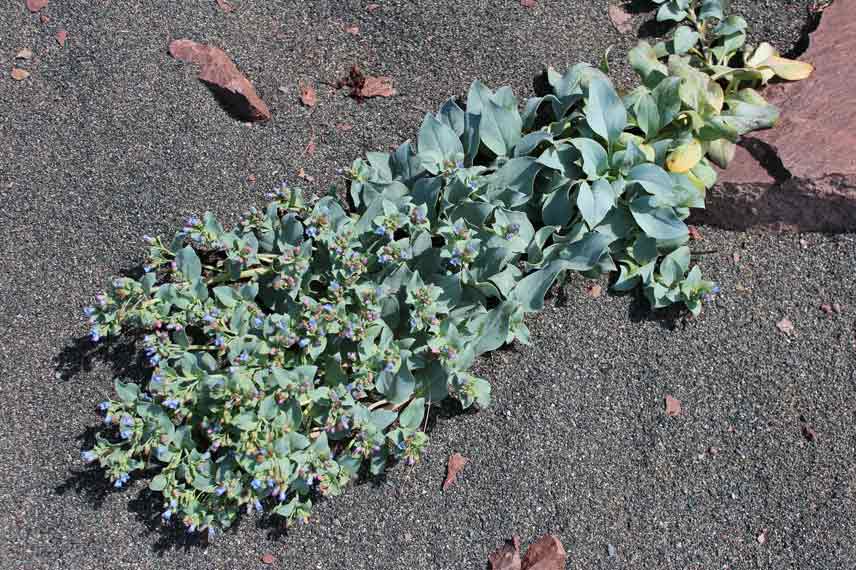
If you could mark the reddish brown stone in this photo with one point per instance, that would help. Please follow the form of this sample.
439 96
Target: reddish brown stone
507 556
801 174
545 554
218 71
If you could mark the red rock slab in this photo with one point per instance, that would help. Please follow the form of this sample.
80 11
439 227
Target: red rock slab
801 174
220 73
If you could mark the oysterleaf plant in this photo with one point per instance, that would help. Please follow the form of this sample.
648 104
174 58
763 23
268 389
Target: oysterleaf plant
303 347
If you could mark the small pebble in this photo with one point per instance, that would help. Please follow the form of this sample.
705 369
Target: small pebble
610 550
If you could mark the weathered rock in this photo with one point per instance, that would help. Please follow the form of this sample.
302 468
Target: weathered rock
547 553
800 175
220 74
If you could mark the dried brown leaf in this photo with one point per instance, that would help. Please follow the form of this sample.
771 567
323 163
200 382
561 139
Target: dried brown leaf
61 36
19 74
809 433
354 30
302 174
225 6
372 8
547 553
786 326
456 463
594 290
36 5
268 559
695 234
735 257
673 406
507 556
344 126
310 148
307 95
762 537
377 87
621 19
44 19
826 308
25 53
527 3
251 178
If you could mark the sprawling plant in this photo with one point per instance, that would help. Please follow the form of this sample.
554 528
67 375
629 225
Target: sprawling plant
303 346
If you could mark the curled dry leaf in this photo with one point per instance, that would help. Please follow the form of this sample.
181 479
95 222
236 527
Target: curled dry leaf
762 537
61 36
310 148
36 5
620 18
507 556
307 95
372 8
527 3
268 558
218 71
365 86
673 406
344 127
19 74
353 30
826 308
456 463
809 433
547 553
695 234
735 257
786 326
225 6
25 53
302 174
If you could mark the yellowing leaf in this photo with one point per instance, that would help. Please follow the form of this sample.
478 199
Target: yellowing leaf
683 158
789 69
715 96
648 151
762 53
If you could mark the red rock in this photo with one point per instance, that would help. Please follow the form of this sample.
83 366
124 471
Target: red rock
218 71
545 554
801 174
36 5
507 556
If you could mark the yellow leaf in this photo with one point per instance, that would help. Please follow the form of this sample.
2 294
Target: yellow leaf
683 158
789 69
648 151
763 52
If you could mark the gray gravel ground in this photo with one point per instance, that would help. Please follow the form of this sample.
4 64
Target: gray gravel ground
110 139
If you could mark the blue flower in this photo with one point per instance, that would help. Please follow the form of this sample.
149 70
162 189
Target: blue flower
191 528
258 322
171 403
456 261
334 286
148 239
208 318
472 185
154 359
95 334
88 311
390 366
147 268
327 307
108 420
127 421
220 491
218 341
304 342
256 484
157 379
312 231
126 434
123 478
258 505
312 323
459 164
244 357
166 515
104 406
211 532
715 290
88 456
380 230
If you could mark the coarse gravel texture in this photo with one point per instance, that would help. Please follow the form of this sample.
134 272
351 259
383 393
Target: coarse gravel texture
110 139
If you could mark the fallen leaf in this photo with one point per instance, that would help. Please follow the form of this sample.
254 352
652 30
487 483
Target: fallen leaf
713 451
218 71
302 174
593 290
365 86
809 433
36 5
456 463
307 95
695 234
826 308
25 53
673 406
310 148
251 178
527 3
353 30
620 18
786 326
507 556
372 8
268 559
61 36
344 126
44 19
735 257
19 74
836 307
225 6
762 538
547 553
